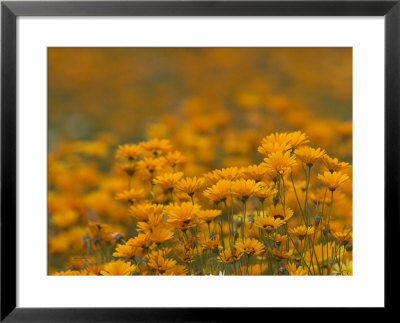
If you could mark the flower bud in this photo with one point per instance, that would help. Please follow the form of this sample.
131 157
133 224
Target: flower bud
281 271
317 221
250 222
118 237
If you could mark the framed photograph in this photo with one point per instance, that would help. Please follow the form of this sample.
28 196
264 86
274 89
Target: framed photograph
163 157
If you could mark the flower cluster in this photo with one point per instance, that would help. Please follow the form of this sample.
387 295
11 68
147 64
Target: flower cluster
289 214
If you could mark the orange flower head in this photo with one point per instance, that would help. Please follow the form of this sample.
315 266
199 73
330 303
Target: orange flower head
157 146
297 139
131 196
267 223
295 271
144 210
243 189
280 253
333 180
249 246
301 231
168 181
280 162
118 268
343 237
190 185
308 155
173 158
152 221
229 256
333 164
218 192
208 215
130 152
182 216
278 212
161 234
231 174
255 172
265 192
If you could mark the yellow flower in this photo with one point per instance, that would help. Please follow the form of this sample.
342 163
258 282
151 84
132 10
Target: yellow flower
130 152
277 139
157 146
265 192
333 180
141 241
280 253
297 139
282 142
278 212
152 221
277 238
231 174
173 158
280 162
249 246
100 231
210 243
268 148
129 168
229 256
219 192
179 270
186 255
333 164
295 271
150 165
168 181
343 237
143 211
301 231
208 215
190 185
255 172
308 155
125 251
131 195
267 223
182 216
118 268
243 189
94 270
161 234
70 273
159 262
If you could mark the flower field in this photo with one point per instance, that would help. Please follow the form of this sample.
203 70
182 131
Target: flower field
162 163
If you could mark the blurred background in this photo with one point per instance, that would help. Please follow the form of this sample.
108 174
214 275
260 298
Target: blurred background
229 94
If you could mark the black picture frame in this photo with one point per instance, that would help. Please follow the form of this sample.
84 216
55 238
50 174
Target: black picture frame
11 10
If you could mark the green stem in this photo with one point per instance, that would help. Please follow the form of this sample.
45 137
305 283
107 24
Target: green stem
244 218
306 198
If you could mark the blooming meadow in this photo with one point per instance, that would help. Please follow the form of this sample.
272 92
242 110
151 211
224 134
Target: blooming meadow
273 218
261 188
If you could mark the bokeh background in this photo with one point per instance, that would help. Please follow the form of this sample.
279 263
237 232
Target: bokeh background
214 104
133 93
